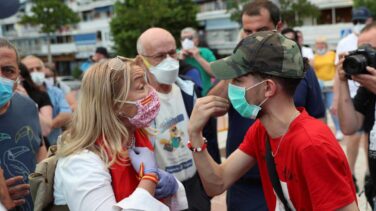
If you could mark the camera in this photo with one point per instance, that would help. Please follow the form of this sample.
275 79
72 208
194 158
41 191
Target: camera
357 61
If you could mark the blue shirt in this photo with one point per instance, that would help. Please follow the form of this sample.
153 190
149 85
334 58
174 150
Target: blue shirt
20 140
307 95
60 105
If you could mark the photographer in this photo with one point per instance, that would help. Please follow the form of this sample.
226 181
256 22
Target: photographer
360 67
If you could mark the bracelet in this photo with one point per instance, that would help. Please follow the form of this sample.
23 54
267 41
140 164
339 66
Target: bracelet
198 149
150 177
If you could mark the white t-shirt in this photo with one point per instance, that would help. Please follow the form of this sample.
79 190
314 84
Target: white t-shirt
348 43
84 183
307 52
170 142
2 208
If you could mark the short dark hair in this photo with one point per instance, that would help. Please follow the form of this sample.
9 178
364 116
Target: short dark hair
290 30
103 51
253 9
289 85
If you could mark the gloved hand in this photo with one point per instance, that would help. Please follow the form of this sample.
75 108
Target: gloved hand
143 156
166 186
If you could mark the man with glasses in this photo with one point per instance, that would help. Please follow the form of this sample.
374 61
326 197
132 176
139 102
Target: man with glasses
261 16
198 57
157 48
20 133
61 113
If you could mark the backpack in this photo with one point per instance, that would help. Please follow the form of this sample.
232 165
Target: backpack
42 184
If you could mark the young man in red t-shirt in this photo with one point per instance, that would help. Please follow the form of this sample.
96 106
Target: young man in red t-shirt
311 166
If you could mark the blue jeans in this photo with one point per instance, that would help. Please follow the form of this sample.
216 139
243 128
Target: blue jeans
328 100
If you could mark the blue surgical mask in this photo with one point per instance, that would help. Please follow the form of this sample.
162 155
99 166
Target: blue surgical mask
6 90
239 101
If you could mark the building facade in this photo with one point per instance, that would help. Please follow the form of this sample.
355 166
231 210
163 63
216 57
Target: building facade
69 46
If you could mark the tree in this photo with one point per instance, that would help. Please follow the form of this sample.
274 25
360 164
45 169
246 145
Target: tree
292 11
370 4
132 17
51 15
235 7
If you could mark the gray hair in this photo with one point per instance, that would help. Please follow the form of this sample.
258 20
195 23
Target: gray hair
190 30
34 57
4 43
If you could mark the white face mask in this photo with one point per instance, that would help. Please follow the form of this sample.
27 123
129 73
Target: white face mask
187 44
358 27
37 77
167 71
49 81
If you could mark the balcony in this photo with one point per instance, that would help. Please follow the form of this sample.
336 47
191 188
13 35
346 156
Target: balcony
94 25
325 4
84 5
212 6
57 49
10 34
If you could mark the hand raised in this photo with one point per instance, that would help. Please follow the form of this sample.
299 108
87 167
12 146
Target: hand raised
206 107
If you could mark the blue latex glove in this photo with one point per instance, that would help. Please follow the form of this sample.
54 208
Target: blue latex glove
167 185
143 155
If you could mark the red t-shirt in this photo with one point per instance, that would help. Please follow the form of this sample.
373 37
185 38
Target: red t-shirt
124 177
311 165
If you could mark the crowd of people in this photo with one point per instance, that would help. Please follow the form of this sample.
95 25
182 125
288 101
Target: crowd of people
141 133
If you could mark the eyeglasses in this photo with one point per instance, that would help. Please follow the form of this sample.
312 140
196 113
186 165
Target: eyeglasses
36 69
118 62
160 56
186 37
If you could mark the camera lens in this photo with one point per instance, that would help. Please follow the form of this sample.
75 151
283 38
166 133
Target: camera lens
355 64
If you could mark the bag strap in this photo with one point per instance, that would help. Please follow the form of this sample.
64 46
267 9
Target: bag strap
274 175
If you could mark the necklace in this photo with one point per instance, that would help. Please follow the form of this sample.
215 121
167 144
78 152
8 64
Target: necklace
296 114
132 143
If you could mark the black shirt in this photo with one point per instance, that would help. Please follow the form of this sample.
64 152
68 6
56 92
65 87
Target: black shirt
40 98
364 102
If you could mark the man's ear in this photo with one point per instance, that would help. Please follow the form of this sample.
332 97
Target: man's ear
270 88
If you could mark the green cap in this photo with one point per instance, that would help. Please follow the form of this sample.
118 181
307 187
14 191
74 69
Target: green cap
266 52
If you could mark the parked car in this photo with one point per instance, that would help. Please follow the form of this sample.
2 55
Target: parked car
70 81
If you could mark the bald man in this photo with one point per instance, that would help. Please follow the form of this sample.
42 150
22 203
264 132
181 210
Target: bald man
157 49
61 113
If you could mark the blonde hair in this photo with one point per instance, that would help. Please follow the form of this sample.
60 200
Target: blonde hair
97 114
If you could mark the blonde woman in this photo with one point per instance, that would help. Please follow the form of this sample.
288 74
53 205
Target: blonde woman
106 161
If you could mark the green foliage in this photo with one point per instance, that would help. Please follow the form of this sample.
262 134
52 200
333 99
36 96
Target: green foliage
235 8
292 11
76 73
51 15
132 17
370 4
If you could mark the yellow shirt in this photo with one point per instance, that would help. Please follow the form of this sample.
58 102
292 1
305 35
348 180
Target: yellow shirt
324 65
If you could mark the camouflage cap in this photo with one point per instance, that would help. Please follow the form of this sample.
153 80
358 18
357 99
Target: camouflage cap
266 52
